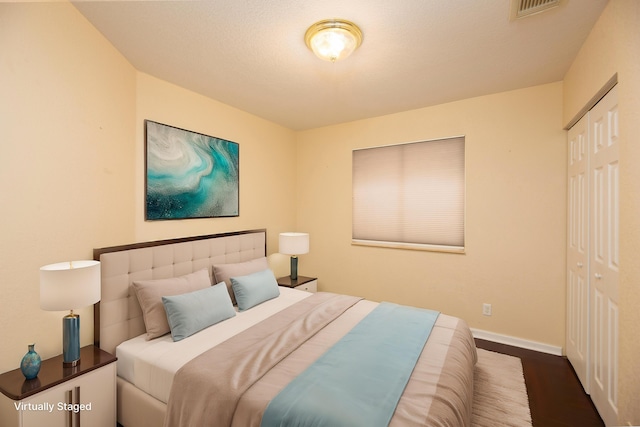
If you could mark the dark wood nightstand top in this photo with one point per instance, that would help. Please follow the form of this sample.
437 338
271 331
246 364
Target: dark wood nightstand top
16 387
301 280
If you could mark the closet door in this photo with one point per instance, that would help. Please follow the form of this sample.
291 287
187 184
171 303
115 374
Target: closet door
604 255
577 341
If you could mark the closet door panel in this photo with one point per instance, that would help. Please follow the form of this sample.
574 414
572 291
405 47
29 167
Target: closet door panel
577 341
604 258
593 258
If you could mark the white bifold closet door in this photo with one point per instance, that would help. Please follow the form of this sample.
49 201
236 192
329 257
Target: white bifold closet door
593 254
578 252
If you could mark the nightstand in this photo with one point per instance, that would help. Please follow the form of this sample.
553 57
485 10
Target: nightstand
309 284
83 395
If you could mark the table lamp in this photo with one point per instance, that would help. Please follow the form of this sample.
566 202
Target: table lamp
65 286
294 244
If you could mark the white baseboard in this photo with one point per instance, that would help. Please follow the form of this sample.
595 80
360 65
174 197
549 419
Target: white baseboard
517 342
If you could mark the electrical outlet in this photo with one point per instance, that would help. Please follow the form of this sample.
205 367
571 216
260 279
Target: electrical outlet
486 309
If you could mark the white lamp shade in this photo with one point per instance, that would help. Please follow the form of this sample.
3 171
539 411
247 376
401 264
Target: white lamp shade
294 243
69 285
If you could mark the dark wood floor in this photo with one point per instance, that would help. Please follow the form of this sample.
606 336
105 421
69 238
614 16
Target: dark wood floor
556 397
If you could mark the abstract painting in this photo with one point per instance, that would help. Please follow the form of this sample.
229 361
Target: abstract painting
189 175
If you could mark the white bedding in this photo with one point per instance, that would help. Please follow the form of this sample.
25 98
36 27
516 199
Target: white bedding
151 365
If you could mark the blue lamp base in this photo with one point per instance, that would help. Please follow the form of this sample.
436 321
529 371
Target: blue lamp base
294 267
71 340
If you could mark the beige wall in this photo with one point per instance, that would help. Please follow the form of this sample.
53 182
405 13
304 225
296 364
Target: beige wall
71 131
515 214
613 47
267 183
67 116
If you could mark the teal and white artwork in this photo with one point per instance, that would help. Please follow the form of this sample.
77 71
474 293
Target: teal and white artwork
189 175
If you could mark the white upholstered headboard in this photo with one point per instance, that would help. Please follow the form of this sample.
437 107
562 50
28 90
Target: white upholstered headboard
118 317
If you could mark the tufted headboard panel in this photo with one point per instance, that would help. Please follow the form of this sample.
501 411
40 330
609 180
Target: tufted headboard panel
118 316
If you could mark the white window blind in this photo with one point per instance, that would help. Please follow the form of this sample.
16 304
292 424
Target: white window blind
410 195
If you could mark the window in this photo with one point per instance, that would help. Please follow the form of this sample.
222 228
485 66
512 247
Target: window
410 195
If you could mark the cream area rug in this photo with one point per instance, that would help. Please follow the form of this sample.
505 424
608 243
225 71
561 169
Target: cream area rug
500 394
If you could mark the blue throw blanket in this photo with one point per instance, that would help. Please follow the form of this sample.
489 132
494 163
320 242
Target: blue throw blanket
358 381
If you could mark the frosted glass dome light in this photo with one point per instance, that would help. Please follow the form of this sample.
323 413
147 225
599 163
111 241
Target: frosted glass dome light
333 39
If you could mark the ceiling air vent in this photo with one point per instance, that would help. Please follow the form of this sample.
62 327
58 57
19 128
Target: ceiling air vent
522 8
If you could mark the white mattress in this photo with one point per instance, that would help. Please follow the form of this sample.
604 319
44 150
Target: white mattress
151 365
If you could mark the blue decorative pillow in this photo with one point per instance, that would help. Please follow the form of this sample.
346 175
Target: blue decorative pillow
194 311
255 288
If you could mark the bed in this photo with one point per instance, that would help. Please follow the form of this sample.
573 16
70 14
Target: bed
234 376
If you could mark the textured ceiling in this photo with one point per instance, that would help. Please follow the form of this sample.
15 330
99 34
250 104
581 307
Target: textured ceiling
250 54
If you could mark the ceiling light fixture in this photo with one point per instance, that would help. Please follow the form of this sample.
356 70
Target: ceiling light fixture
333 39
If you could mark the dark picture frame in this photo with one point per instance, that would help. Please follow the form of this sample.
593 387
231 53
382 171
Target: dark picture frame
189 174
